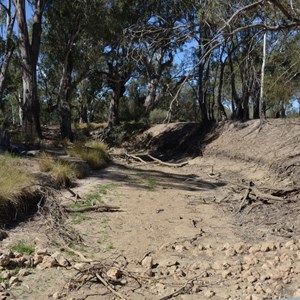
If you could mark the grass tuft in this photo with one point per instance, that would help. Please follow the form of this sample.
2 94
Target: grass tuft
21 247
94 153
63 172
13 180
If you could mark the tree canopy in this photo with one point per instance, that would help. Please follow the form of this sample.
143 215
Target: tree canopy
163 61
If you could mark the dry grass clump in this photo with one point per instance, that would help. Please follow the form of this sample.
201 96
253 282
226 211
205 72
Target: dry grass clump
13 181
94 153
63 172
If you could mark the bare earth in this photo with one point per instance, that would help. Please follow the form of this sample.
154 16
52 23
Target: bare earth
179 234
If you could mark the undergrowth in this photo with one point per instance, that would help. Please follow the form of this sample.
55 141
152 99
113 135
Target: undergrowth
21 247
13 180
94 153
63 172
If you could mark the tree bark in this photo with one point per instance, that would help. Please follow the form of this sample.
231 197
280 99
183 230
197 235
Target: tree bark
64 97
262 110
29 52
8 48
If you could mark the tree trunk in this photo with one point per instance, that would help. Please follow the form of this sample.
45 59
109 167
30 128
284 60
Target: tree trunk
8 48
29 52
202 93
221 111
262 110
118 92
64 97
151 97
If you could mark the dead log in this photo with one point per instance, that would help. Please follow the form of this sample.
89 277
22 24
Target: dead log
167 164
263 196
97 208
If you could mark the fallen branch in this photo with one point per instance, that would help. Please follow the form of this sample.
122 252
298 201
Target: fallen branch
263 196
178 292
98 208
245 197
109 287
253 190
168 164
84 259
134 157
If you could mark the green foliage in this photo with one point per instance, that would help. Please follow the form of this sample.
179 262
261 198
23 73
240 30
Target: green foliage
157 116
21 247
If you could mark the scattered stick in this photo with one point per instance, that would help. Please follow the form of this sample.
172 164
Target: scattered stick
178 292
109 287
78 254
73 193
252 189
245 197
264 196
97 208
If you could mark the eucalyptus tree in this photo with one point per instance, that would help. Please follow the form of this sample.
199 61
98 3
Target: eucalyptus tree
29 48
7 44
155 42
71 50
118 67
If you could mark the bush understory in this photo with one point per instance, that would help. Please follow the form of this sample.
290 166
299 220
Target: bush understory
16 193
93 152
63 172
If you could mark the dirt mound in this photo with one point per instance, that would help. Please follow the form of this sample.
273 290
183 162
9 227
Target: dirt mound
173 141
275 145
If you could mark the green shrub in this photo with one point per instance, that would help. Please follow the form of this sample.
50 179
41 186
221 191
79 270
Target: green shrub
157 116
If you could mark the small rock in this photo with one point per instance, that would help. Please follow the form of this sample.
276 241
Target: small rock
169 263
254 249
80 266
41 251
289 244
201 265
226 273
209 294
251 279
160 287
56 296
147 262
13 280
265 247
114 273
24 272
3 235
48 262
5 274
180 248
4 260
201 247
60 259
38 259
240 248
297 293
230 252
